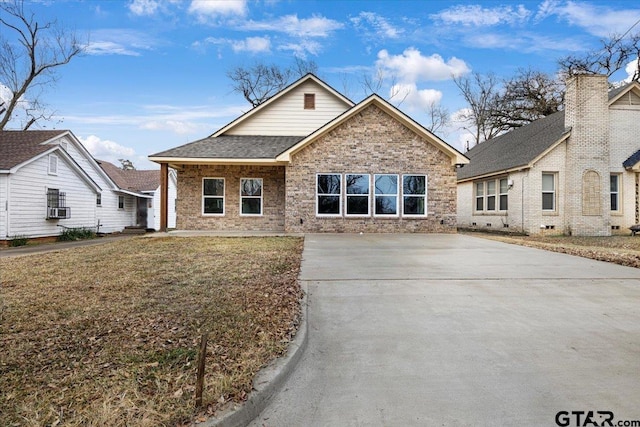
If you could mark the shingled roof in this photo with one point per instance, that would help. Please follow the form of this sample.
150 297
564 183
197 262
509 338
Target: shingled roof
132 179
17 146
233 147
514 149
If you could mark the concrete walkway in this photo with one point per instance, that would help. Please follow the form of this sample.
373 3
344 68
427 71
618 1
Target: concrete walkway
453 330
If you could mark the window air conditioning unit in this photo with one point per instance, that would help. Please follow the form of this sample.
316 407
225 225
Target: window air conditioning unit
59 213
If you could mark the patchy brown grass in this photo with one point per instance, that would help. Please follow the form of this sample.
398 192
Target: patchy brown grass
623 250
109 334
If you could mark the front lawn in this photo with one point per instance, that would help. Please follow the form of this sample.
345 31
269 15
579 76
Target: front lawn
623 250
109 334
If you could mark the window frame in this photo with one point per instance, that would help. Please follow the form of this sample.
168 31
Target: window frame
309 101
347 196
486 197
121 202
52 170
423 196
617 193
99 200
209 196
502 194
396 195
252 197
339 195
554 192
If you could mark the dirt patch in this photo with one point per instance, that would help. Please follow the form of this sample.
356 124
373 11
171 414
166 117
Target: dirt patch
109 334
623 250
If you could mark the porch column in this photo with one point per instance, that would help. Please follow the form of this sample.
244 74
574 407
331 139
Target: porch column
164 195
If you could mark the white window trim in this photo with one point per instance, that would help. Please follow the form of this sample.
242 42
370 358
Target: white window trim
485 196
346 197
500 194
397 196
426 192
324 215
252 197
54 158
554 192
99 200
224 201
618 193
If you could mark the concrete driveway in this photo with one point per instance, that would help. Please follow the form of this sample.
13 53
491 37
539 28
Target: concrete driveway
453 330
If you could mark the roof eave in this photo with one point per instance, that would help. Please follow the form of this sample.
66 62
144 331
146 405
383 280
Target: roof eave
457 158
217 161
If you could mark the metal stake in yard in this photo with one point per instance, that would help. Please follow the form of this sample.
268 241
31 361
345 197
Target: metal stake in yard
201 364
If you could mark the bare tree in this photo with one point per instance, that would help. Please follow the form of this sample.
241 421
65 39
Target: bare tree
260 82
528 96
29 59
373 83
126 165
482 94
615 53
438 117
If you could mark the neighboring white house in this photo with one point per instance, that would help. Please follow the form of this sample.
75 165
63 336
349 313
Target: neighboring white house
145 182
49 181
573 172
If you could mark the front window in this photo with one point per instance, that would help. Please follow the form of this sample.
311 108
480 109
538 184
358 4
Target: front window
548 192
357 194
414 195
491 195
504 197
251 196
386 195
328 194
479 196
213 196
615 192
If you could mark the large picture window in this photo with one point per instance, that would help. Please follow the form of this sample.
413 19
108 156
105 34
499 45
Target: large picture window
328 194
414 195
251 196
548 192
213 196
386 195
357 187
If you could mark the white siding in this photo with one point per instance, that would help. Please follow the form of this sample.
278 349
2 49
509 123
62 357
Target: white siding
171 207
4 182
625 128
28 200
287 116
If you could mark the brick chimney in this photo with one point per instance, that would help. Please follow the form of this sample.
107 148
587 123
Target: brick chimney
586 200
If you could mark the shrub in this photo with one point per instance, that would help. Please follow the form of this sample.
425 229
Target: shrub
76 234
18 241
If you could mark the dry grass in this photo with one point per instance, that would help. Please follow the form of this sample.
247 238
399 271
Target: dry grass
623 250
108 334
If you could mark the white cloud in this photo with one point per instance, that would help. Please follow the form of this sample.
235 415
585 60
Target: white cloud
631 69
412 66
302 47
381 28
316 26
215 8
106 150
176 126
144 7
119 42
408 95
252 44
546 8
598 20
478 16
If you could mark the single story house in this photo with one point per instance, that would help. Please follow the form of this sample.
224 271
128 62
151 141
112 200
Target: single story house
49 181
310 160
574 172
145 182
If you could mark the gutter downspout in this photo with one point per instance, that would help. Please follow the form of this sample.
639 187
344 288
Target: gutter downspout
6 208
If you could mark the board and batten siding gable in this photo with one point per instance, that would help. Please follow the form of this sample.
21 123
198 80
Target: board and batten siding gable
28 199
287 116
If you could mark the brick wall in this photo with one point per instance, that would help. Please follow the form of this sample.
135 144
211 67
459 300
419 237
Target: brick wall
189 203
371 142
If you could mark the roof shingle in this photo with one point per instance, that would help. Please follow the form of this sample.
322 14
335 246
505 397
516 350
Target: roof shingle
17 146
132 179
233 147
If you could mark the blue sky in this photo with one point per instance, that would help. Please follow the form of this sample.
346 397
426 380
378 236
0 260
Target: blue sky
154 73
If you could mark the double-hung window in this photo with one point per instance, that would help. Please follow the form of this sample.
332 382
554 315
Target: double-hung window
479 196
615 192
548 192
251 196
504 196
328 194
53 164
120 202
414 195
213 196
357 186
386 195
492 195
